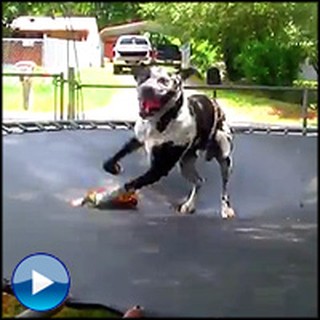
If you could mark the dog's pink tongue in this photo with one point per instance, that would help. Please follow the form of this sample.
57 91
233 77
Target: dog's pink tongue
150 105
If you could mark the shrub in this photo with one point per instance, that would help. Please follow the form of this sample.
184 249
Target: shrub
270 62
306 84
203 55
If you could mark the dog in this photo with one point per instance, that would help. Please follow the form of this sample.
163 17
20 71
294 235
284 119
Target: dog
175 130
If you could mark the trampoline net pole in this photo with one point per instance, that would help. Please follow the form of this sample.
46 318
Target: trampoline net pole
71 102
304 111
55 89
61 82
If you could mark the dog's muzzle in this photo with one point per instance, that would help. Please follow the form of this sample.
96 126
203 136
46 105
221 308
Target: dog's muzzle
153 97
149 107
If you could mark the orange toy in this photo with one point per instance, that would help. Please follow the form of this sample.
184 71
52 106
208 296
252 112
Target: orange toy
98 198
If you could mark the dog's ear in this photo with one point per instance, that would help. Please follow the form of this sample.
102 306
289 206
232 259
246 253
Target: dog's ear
141 73
187 73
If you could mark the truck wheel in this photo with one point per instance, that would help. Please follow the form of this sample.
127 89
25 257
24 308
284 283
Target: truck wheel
116 70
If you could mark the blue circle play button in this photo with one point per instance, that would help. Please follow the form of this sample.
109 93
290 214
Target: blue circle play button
40 282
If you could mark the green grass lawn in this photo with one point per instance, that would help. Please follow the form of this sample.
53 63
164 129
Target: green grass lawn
260 108
266 110
11 308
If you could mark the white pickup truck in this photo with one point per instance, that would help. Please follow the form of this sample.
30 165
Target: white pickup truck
130 50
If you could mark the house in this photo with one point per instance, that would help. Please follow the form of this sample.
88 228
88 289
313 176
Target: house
54 42
109 35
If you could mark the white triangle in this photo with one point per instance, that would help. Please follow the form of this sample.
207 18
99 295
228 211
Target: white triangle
39 282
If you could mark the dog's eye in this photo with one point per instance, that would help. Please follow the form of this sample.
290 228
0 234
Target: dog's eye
163 81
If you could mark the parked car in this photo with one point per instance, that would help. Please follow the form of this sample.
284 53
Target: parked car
130 50
168 53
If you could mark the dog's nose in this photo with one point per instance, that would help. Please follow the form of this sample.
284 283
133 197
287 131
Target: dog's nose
147 92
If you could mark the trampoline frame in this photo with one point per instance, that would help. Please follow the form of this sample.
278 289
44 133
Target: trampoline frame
21 127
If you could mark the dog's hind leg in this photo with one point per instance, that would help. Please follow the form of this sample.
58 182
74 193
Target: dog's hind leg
112 165
224 159
225 169
189 172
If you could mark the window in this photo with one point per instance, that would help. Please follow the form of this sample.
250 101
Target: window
133 40
141 41
126 41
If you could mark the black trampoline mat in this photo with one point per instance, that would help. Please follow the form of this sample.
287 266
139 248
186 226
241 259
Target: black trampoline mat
262 263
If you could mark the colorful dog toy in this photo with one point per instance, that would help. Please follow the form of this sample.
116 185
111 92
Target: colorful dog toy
101 198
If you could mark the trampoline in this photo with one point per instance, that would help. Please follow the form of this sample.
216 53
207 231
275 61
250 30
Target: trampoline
261 263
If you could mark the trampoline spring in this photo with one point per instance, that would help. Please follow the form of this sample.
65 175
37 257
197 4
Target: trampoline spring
117 123
5 130
24 127
88 125
41 126
93 125
83 125
13 128
129 125
18 131
21 126
28 127
102 125
111 125
56 125
51 127
34 126
121 125
72 125
67 124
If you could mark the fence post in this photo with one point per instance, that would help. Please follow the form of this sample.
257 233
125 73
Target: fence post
71 100
61 96
55 88
77 101
304 111
26 82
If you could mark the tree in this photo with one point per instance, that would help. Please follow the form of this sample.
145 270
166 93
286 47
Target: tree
230 26
106 12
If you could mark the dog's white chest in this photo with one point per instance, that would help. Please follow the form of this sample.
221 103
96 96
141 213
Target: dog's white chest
180 131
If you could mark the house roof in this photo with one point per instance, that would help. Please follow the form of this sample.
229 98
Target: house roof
31 23
128 28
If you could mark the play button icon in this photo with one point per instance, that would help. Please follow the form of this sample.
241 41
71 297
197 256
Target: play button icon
41 282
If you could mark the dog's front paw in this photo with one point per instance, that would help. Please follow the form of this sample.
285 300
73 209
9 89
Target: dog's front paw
185 208
112 167
227 212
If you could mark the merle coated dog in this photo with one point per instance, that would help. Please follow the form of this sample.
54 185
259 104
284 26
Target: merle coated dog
175 130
